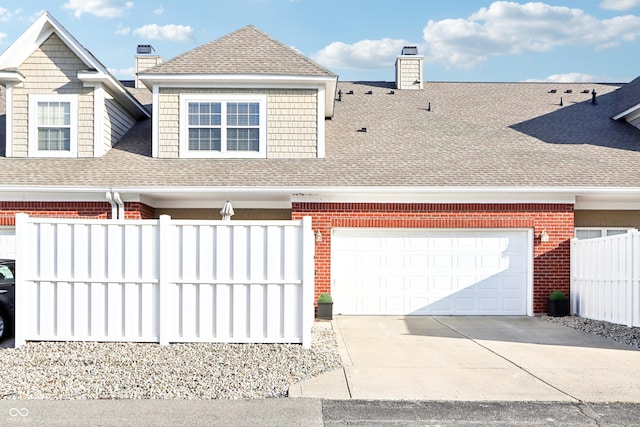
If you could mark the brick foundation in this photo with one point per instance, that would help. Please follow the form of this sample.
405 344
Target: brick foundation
551 264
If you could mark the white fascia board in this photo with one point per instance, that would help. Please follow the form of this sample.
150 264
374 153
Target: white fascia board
35 35
282 197
95 78
245 81
627 112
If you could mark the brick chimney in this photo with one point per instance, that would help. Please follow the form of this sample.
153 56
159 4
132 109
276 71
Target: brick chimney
145 59
409 66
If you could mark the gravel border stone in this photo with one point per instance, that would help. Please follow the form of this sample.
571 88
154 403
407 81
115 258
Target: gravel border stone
612 331
95 370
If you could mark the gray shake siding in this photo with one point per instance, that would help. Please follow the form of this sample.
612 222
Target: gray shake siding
292 124
117 122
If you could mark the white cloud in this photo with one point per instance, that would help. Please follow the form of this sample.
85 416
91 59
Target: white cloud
122 30
5 14
567 78
102 8
577 78
360 55
167 32
124 73
159 11
619 4
508 28
3 36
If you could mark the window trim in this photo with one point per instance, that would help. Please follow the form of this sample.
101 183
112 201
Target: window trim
184 151
34 150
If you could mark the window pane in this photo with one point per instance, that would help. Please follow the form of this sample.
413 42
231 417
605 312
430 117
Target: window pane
202 139
243 114
54 139
588 234
54 113
239 139
204 114
616 231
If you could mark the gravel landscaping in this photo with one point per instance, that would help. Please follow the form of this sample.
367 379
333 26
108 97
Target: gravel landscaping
90 370
612 331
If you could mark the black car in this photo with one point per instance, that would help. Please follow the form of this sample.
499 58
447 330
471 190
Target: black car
7 296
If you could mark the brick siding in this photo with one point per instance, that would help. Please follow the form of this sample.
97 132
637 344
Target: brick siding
94 210
551 264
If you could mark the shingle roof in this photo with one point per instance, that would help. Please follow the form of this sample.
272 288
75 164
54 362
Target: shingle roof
245 51
476 134
628 96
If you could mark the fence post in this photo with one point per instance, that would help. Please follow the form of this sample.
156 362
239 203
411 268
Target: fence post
308 280
164 252
634 236
22 303
572 279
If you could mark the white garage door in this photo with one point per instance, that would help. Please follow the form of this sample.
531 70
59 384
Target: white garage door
446 272
8 242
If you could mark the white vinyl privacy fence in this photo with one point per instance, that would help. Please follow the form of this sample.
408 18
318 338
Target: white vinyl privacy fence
164 280
605 278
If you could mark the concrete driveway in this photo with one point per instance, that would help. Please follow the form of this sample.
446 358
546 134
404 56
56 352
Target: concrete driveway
475 359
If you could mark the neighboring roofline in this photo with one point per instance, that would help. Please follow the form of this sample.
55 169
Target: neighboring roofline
627 112
42 29
254 81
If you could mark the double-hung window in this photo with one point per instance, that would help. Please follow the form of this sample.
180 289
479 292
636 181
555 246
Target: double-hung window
223 126
53 130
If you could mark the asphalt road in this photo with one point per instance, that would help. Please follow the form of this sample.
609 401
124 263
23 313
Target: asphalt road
312 412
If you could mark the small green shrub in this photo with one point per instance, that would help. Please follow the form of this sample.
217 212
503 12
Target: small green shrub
325 298
557 295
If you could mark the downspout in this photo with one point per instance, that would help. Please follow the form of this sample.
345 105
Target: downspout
118 200
114 207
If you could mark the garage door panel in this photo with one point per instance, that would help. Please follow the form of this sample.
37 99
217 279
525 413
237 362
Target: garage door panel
8 242
397 271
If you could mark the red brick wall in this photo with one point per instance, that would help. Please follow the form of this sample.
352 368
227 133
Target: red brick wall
96 210
551 265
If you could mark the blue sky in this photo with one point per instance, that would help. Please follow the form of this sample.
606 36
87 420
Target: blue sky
470 40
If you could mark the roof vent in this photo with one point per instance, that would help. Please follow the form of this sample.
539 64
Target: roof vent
145 49
410 50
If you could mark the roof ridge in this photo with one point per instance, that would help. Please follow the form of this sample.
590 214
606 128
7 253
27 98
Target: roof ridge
219 57
298 53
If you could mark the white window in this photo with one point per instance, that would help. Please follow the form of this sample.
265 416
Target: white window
595 232
223 126
53 125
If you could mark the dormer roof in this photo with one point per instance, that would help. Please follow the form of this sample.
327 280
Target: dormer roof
246 57
96 72
245 51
